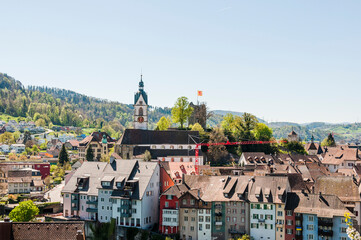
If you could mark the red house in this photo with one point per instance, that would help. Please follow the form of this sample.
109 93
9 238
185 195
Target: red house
290 219
44 169
169 209
165 179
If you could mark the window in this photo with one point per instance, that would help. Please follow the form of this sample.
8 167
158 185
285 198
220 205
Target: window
201 218
310 227
185 218
192 228
166 204
228 219
192 201
200 227
193 219
289 213
310 219
254 225
289 222
208 226
343 230
289 231
184 201
208 219
234 219
280 213
310 236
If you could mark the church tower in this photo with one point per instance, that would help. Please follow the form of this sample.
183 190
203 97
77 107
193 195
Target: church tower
141 107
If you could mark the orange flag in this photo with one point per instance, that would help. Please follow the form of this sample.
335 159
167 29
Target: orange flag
200 93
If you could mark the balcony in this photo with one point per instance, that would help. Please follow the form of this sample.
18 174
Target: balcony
326 223
126 214
74 207
218 223
92 210
93 202
234 231
328 233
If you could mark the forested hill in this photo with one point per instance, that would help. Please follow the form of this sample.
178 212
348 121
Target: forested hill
47 106
65 107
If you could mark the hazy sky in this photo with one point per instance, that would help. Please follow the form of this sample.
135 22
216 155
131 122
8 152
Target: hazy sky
294 61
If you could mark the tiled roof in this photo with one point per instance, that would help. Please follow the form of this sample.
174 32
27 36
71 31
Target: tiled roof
326 206
337 155
273 184
176 190
46 230
342 186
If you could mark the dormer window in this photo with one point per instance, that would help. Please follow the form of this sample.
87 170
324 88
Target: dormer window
119 184
106 184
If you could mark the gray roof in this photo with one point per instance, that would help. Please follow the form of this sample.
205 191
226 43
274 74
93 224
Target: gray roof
91 170
137 172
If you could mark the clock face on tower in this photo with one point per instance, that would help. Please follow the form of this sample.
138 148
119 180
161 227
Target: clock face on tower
140 119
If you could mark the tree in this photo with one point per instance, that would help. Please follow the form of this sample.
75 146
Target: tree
7 138
329 141
40 122
163 124
89 154
47 181
262 132
198 127
293 146
63 155
147 157
25 212
217 153
27 137
181 111
245 237
35 149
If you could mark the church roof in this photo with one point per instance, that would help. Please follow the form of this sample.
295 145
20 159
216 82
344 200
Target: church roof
139 136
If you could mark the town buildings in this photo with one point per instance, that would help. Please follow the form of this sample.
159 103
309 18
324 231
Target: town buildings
100 143
126 190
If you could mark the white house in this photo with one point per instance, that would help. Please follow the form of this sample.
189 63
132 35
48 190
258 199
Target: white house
126 190
18 148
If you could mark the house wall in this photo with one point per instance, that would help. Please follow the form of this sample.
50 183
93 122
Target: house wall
204 223
165 180
262 219
19 187
188 223
67 205
307 223
290 231
168 227
218 220
104 205
339 227
82 213
150 204
235 219
280 221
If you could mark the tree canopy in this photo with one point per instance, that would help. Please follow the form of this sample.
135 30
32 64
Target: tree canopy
25 212
181 111
329 141
89 154
63 155
217 153
163 124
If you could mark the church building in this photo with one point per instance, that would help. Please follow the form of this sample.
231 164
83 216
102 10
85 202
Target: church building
171 145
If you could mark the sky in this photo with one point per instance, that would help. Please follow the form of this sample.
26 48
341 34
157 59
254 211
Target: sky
296 61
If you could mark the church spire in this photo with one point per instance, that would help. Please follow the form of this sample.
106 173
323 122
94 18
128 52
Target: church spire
141 83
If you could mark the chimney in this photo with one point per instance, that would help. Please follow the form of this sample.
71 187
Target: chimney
80 235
